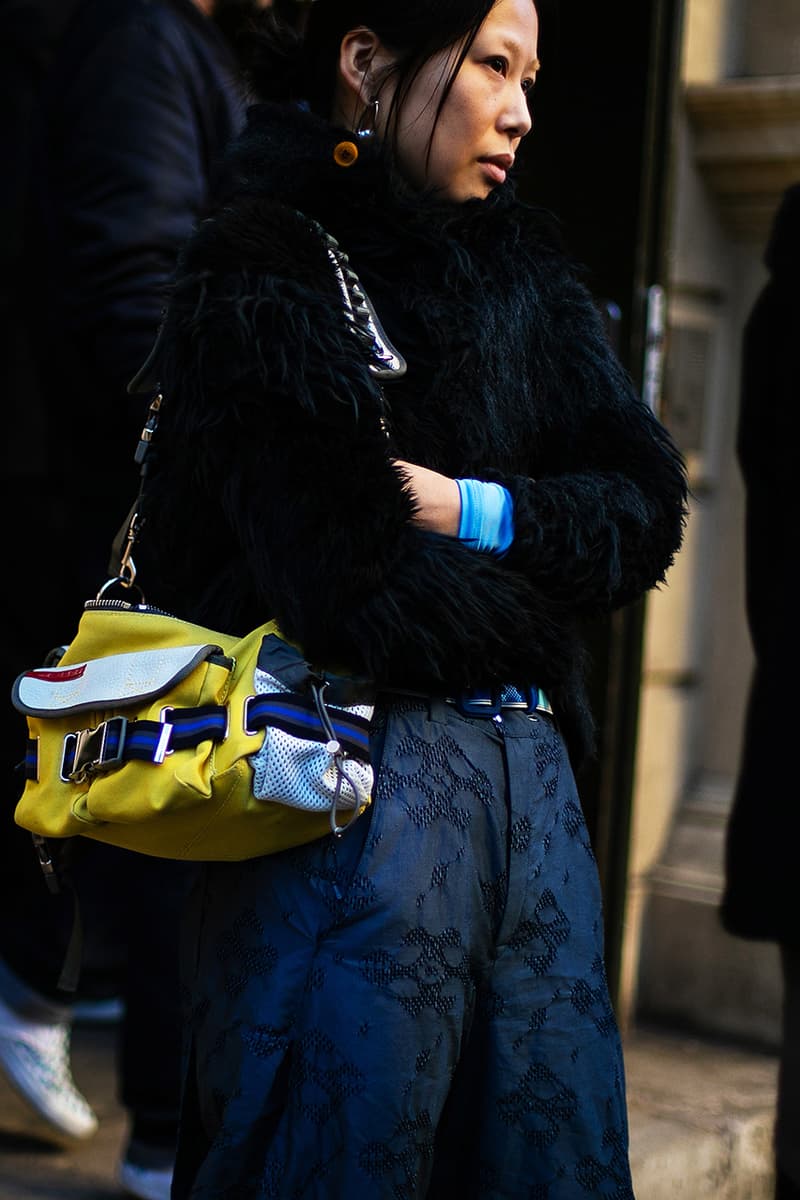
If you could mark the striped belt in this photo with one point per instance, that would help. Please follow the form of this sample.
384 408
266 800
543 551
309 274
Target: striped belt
490 702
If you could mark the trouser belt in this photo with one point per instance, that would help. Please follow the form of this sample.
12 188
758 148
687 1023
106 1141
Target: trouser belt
490 702
487 702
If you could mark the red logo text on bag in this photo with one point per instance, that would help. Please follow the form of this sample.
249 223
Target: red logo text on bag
64 675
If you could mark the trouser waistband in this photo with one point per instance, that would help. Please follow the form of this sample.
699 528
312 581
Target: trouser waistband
489 702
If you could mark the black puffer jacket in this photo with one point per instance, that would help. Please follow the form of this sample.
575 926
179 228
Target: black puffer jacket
281 495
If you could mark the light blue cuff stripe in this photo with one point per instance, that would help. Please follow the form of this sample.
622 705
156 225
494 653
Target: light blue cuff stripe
487 515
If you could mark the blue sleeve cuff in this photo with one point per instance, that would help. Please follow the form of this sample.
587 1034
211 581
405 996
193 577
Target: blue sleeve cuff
487 516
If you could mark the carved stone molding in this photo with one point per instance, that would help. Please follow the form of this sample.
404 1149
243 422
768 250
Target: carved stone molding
747 146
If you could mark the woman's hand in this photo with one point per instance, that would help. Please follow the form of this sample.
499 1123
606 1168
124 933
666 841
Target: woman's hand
436 496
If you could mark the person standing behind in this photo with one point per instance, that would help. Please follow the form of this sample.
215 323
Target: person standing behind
760 899
137 108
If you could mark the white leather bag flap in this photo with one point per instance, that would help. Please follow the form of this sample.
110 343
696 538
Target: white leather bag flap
113 682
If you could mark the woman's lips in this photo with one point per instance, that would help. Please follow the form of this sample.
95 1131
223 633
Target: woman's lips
496 169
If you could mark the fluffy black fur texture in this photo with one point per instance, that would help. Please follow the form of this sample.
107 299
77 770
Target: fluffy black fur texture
274 492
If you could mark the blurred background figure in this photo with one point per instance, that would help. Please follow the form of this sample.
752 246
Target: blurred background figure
760 900
115 117
33 1040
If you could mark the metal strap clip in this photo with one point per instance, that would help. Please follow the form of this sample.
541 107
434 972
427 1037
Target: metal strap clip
246 726
95 750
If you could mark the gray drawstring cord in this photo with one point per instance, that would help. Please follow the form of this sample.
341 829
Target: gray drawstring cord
338 758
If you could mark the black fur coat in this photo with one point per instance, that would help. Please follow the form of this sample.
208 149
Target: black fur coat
274 493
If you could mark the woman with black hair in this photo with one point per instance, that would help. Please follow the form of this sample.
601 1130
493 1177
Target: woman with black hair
419 1007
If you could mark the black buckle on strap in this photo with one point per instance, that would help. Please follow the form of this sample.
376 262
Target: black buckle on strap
93 750
479 703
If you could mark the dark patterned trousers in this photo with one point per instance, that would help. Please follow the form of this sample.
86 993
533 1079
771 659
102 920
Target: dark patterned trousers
419 1009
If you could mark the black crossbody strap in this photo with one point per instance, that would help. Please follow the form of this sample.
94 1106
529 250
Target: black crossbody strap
385 362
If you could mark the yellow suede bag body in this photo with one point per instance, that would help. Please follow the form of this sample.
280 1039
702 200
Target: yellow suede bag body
167 738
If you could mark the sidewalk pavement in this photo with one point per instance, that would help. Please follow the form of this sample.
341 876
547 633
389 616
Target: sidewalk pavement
701 1124
701 1117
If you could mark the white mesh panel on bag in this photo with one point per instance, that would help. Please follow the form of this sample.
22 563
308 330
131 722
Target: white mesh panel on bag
300 773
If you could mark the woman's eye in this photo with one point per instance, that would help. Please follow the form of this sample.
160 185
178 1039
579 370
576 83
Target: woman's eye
527 85
499 64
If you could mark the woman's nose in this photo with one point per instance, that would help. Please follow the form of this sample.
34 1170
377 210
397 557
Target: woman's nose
516 119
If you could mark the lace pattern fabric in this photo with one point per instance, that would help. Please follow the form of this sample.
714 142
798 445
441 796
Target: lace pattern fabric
418 1010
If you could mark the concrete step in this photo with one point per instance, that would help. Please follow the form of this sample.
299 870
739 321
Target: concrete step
701 1118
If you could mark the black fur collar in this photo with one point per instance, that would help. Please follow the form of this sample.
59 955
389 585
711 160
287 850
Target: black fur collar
286 155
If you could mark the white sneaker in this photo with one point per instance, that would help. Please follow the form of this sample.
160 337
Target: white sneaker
34 1056
146 1183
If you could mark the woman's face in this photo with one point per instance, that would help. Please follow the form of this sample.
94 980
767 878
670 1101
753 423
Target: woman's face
485 115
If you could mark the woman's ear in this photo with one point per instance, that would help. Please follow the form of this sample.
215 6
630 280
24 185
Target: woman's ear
363 62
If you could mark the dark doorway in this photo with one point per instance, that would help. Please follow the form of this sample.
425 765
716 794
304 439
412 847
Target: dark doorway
599 159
